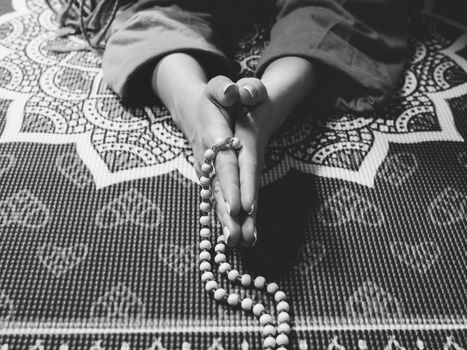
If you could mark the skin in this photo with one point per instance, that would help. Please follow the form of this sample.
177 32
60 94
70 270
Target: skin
251 109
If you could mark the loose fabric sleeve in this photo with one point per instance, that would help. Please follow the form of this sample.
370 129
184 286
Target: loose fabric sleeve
359 45
145 32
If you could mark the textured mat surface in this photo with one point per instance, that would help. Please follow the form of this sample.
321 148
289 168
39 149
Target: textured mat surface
98 208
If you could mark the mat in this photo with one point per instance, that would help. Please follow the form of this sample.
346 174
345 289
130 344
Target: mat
363 222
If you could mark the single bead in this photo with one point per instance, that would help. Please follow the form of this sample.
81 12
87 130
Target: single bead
204 256
220 247
206 276
205 194
205 181
205 233
272 288
279 296
233 275
220 258
221 239
205 220
205 266
235 142
283 306
219 294
260 282
258 309
204 206
284 328
205 244
233 299
224 267
209 154
265 319
245 280
210 285
281 348
247 304
283 317
282 340
206 167
221 142
269 330
269 342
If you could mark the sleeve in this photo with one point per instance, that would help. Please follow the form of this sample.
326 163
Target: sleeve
142 34
359 45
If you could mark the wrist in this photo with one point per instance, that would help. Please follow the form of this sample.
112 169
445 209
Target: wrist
182 110
291 77
288 81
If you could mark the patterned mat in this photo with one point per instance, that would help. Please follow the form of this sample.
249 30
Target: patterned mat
363 221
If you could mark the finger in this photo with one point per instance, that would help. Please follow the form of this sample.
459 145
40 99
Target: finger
250 160
227 171
230 226
226 164
222 91
252 91
250 172
249 232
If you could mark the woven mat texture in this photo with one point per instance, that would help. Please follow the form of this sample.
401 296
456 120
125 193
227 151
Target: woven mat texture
363 220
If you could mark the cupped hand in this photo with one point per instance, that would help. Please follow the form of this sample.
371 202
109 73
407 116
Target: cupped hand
214 108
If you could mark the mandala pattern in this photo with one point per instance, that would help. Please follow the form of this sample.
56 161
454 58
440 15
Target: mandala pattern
60 98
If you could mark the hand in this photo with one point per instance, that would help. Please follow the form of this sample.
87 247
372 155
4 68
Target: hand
266 105
211 112
251 127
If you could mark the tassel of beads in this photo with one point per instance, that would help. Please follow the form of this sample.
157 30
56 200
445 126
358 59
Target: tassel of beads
274 336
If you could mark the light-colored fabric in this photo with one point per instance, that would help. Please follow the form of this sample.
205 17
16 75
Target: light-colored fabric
145 32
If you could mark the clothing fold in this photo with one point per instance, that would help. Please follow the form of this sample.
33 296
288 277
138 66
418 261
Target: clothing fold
359 45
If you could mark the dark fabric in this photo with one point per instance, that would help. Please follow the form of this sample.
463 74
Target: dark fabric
5 7
361 44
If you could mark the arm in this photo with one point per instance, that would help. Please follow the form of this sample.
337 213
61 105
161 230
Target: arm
288 81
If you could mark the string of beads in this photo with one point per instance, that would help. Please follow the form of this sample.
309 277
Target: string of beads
275 336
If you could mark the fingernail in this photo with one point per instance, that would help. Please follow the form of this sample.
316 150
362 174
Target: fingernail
227 87
227 207
252 210
255 238
250 91
226 234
